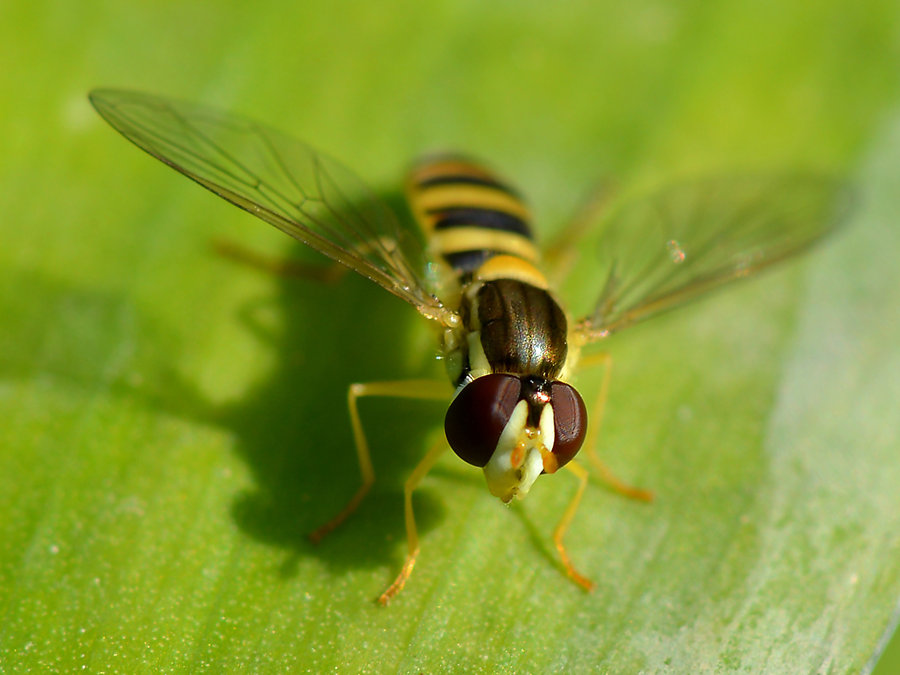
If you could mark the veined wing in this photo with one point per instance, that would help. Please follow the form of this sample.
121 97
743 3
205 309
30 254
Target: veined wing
300 191
690 238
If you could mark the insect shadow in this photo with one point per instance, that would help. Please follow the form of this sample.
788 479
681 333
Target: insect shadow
293 428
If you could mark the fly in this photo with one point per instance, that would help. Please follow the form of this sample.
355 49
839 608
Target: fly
471 266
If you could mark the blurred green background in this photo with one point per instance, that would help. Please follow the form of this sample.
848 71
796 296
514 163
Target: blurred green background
172 424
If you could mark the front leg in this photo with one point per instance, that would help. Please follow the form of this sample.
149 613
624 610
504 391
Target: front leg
414 389
563 526
412 535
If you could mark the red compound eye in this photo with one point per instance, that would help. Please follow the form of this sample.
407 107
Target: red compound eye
569 421
478 415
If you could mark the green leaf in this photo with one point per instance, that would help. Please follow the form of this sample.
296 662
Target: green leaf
173 424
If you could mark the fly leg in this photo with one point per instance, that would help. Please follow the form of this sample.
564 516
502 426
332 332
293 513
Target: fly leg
415 389
562 250
281 267
563 526
603 471
412 535
297 269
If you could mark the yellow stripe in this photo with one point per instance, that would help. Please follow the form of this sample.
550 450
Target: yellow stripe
470 196
459 239
449 167
511 267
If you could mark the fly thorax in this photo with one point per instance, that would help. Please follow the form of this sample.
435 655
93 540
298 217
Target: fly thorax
507 326
522 328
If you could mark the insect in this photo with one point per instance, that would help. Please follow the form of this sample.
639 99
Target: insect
470 265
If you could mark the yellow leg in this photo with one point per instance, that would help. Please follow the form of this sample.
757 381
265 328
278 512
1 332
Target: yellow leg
604 472
416 389
412 535
296 269
563 526
561 252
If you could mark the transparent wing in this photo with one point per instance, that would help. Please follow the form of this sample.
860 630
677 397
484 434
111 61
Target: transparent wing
300 191
688 239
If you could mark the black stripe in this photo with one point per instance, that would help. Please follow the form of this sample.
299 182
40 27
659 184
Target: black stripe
465 179
468 261
489 219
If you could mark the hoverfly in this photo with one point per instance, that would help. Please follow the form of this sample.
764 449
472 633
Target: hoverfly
470 265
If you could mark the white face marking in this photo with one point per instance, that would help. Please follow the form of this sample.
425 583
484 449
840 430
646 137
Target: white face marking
517 461
478 363
548 430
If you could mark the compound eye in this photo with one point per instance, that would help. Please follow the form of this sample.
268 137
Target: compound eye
569 421
478 415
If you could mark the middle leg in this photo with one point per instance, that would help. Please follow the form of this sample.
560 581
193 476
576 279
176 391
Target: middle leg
604 472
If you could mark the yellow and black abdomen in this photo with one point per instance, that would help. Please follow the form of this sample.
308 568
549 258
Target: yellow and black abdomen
468 214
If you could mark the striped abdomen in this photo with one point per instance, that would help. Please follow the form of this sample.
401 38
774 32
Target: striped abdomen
480 227
468 214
